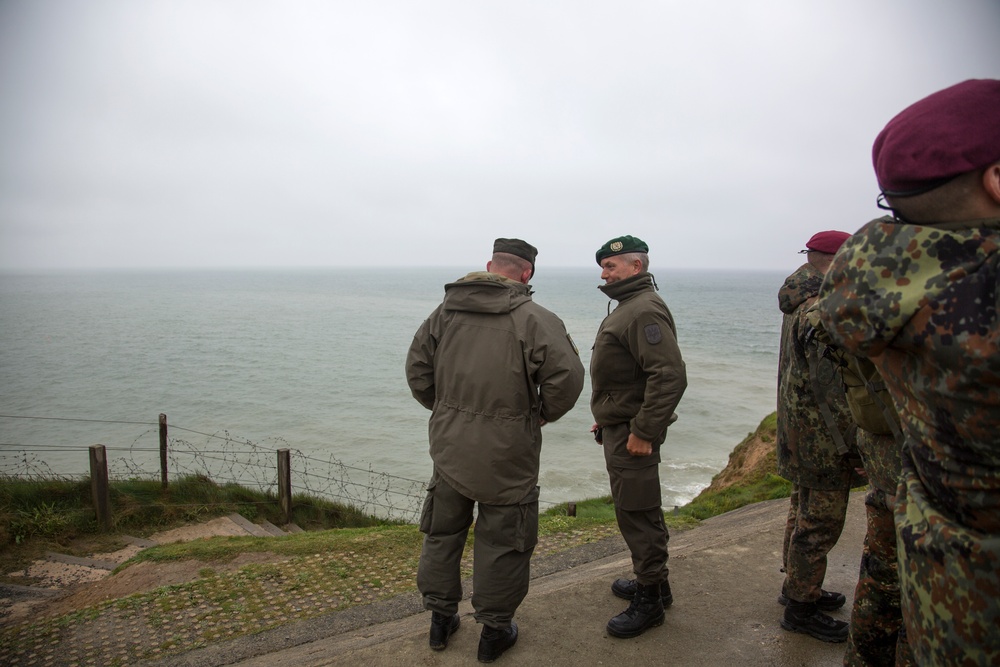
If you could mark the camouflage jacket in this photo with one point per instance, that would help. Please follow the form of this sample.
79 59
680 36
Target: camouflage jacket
807 452
878 446
922 302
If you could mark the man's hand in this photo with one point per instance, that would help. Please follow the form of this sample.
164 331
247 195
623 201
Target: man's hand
637 446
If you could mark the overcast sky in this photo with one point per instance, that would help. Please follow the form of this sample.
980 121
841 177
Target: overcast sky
216 134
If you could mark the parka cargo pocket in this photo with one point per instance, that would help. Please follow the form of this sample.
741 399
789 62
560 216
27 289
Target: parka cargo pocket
636 489
512 526
427 511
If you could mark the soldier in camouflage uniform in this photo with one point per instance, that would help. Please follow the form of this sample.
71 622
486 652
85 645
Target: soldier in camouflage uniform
918 293
813 422
877 637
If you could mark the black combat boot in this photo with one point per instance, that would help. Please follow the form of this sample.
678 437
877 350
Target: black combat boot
646 611
828 601
807 618
494 641
442 627
625 589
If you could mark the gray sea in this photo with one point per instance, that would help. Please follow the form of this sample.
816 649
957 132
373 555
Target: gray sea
313 360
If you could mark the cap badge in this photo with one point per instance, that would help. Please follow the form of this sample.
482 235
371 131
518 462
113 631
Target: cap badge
616 246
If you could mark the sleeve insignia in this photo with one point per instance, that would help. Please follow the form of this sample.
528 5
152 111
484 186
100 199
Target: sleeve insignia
653 333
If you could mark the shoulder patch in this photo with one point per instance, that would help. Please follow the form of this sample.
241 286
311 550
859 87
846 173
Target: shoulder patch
653 333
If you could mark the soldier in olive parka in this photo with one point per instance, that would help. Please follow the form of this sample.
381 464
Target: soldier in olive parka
919 294
493 367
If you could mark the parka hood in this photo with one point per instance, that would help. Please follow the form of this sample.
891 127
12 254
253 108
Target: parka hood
484 292
801 285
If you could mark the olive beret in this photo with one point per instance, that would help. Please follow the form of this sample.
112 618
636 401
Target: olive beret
951 132
517 247
621 246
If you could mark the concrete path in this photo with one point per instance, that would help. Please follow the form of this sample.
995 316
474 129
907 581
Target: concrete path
725 579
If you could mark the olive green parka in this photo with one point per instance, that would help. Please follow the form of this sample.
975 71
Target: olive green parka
491 364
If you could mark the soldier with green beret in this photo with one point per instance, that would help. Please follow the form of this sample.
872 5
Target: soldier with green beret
493 367
638 378
918 293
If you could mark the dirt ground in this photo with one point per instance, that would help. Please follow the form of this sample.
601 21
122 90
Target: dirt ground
53 588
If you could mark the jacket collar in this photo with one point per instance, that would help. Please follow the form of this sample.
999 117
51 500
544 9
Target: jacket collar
623 290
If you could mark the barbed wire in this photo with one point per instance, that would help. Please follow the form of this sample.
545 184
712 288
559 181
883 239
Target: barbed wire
233 460
230 459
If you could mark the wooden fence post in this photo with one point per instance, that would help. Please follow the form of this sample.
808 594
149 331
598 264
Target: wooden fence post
163 450
285 485
99 490
570 509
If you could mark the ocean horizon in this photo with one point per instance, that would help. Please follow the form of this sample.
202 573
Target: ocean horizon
313 360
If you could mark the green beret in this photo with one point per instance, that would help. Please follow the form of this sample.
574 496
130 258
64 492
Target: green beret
621 246
517 247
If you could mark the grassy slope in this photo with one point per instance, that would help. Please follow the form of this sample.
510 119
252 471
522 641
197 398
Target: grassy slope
40 516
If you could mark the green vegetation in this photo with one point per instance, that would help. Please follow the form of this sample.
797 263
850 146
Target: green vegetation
46 515
345 559
711 503
39 516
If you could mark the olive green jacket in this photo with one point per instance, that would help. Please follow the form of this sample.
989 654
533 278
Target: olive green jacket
491 364
636 370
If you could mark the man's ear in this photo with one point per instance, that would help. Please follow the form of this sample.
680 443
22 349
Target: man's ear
488 265
991 181
525 276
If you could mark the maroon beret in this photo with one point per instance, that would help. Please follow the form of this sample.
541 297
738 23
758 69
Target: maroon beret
828 242
951 132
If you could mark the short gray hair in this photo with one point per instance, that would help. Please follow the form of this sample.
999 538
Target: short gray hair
629 257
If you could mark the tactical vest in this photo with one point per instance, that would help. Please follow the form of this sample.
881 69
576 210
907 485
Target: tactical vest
868 399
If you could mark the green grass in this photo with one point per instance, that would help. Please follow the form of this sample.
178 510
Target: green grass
46 515
713 503
39 516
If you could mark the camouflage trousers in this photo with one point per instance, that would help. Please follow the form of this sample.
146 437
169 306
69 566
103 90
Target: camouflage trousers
815 521
877 636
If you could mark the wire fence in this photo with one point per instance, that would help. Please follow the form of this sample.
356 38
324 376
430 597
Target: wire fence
223 458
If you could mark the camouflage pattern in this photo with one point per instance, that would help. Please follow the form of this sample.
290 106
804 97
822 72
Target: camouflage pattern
877 637
815 522
807 453
922 302
876 630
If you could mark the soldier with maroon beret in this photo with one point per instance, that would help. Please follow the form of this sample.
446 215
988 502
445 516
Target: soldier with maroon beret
917 293
815 445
